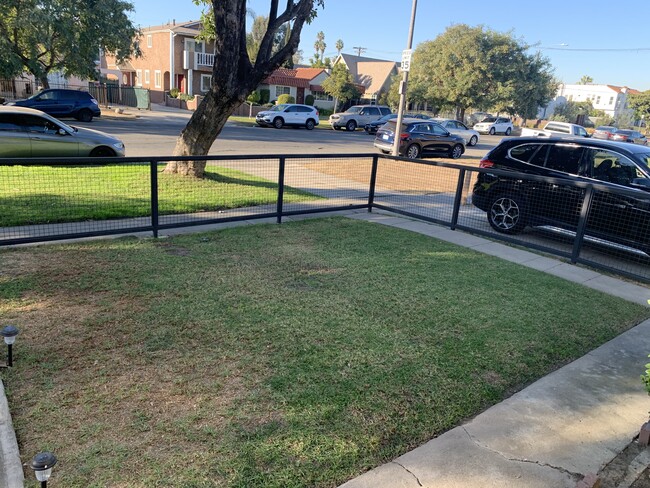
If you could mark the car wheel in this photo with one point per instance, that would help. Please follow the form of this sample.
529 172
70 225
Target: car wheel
473 140
278 122
492 131
351 126
507 213
309 125
102 152
508 131
456 151
85 115
413 151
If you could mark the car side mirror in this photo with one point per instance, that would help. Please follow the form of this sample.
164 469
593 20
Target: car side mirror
62 132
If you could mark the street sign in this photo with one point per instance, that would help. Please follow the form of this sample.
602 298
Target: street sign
406 59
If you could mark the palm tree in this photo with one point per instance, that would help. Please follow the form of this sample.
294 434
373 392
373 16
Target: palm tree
586 80
339 46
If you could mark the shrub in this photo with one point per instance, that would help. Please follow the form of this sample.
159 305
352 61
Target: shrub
309 100
265 96
646 377
324 112
185 96
174 92
285 98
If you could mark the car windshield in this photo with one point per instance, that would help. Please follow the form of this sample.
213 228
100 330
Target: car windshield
606 127
624 132
354 110
388 117
643 157
278 108
489 119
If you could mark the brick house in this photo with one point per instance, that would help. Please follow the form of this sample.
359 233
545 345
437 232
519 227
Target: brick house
172 57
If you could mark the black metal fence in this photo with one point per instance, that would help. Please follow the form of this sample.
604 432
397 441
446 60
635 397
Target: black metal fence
595 224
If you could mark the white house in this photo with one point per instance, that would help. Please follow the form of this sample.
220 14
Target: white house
299 83
610 99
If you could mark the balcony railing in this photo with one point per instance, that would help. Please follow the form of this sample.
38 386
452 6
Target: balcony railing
203 59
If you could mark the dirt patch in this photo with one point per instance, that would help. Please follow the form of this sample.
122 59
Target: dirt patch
626 468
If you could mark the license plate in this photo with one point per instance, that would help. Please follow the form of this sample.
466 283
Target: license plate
385 136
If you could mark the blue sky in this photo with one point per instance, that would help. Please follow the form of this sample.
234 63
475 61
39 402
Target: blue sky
607 41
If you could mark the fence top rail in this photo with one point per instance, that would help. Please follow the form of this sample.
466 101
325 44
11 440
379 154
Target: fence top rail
587 182
72 161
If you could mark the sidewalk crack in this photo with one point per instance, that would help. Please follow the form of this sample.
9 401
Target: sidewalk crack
575 476
409 472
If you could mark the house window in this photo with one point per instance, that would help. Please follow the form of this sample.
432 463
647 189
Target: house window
157 78
147 77
611 100
282 90
598 100
149 40
138 77
319 95
206 82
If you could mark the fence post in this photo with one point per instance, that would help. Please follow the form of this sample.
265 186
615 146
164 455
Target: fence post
280 188
373 182
582 224
153 170
457 197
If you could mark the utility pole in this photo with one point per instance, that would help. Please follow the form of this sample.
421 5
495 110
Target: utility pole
406 62
360 50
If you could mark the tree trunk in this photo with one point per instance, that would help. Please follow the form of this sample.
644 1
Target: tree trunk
460 114
45 83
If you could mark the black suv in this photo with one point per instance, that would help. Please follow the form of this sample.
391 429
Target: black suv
63 103
514 202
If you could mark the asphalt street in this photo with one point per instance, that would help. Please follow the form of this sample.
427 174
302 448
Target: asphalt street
155 133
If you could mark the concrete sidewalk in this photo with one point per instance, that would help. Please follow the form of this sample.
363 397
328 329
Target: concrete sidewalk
552 433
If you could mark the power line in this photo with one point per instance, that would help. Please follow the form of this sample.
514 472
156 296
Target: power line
360 50
626 49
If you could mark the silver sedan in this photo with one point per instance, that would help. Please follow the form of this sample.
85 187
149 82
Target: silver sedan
25 133
470 136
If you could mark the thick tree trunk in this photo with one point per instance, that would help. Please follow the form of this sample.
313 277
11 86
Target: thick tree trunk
45 83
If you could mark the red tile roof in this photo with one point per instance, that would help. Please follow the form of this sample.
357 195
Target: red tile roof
619 89
299 77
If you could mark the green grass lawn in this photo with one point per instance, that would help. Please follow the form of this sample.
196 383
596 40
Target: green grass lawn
50 194
273 356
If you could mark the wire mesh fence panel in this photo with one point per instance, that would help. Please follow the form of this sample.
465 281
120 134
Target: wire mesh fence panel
61 199
617 233
425 190
245 188
327 182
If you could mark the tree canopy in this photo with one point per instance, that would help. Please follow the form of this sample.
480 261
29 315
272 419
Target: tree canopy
481 68
43 36
640 103
340 85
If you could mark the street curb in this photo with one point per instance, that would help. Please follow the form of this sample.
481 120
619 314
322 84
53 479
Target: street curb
12 469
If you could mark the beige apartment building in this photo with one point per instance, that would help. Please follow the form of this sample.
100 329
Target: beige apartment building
172 57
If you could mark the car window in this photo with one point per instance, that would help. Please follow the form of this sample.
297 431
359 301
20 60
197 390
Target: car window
384 110
564 158
558 128
502 121
354 110
420 128
304 109
373 111
461 126
605 165
34 123
581 131
9 123
438 130
525 152
48 96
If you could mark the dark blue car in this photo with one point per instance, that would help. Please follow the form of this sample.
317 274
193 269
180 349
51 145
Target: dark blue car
63 103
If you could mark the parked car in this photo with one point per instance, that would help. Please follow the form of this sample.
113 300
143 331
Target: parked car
633 136
604 132
25 133
493 125
63 103
557 129
292 114
470 136
418 137
512 203
372 127
358 116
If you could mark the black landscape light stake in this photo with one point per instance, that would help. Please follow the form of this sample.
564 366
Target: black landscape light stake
42 465
9 332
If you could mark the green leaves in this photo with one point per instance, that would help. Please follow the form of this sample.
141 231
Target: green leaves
63 35
340 84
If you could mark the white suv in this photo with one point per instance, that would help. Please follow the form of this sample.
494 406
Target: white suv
288 114
358 116
492 125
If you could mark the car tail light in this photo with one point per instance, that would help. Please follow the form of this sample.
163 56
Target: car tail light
404 136
317 114
485 163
